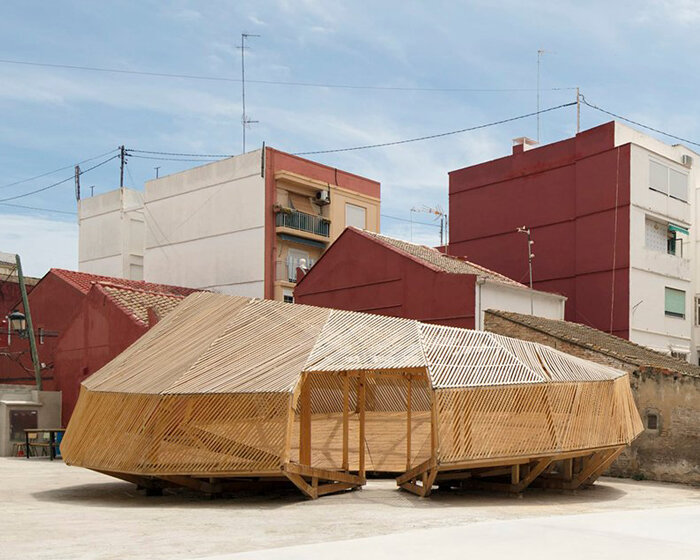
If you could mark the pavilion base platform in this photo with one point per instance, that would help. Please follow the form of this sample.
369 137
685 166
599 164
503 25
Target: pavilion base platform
564 471
311 481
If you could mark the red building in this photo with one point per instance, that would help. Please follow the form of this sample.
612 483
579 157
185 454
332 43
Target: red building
63 299
363 271
109 319
10 294
574 195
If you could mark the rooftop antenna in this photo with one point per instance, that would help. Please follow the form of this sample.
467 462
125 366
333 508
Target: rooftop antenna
245 121
540 52
439 214
157 168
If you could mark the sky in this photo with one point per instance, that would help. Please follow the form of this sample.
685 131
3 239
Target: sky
636 59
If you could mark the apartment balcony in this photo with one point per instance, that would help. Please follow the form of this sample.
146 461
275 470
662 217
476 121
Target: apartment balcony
286 271
305 225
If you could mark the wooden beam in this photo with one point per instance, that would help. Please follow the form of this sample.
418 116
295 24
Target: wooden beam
361 406
324 474
304 486
416 471
408 425
346 422
305 424
535 471
515 474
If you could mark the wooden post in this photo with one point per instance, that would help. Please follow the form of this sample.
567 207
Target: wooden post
408 425
346 421
515 474
361 406
305 424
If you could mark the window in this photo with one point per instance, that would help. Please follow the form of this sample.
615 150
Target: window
665 237
287 296
355 216
674 303
668 181
652 422
297 259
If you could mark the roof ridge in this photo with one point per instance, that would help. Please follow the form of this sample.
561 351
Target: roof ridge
139 290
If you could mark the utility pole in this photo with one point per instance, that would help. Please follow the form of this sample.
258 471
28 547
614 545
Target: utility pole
540 52
530 256
578 111
77 182
30 326
122 157
245 121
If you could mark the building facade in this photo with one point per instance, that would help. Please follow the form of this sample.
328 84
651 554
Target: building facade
242 225
369 272
610 213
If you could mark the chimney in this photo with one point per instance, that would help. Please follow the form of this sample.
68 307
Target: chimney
522 144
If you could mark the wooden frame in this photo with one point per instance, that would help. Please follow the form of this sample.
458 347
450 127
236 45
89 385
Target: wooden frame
230 388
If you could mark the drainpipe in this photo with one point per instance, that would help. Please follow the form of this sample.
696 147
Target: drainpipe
479 320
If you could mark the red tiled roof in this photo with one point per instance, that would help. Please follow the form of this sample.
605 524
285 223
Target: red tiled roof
83 281
137 302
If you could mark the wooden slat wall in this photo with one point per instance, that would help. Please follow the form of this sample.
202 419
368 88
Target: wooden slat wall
515 421
177 434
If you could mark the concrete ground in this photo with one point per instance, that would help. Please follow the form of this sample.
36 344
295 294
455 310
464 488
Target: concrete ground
51 510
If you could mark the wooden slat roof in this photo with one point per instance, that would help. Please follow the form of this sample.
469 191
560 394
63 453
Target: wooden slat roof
213 343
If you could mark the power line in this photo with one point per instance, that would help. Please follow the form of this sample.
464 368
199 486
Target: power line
57 183
38 209
637 123
439 135
180 154
158 158
274 82
57 170
407 220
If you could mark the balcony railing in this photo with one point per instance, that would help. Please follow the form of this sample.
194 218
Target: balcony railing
286 271
301 221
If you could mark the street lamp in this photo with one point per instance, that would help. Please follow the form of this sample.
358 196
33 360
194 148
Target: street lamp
18 323
530 256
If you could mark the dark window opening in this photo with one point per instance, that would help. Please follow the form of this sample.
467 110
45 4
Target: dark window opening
652 422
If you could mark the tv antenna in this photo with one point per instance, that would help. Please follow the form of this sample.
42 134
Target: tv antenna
439 214
245 121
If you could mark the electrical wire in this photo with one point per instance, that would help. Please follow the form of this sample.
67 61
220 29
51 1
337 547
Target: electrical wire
409 221
636 123
274 82
38 209
57 183
158 158
179 154
57 170
439 135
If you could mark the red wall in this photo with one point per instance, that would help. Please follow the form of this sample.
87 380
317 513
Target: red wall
280 161
359 273
53 303
566 194
99 331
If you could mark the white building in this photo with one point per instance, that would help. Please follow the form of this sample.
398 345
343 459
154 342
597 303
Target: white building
239 226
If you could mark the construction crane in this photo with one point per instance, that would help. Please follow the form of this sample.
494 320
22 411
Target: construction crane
439 214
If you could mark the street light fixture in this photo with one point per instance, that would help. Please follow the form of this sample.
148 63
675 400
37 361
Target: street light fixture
18 323
530 256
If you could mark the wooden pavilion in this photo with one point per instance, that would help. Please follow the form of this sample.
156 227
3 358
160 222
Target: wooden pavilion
228 392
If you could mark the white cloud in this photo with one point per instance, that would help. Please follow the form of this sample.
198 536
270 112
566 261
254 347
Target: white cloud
42 243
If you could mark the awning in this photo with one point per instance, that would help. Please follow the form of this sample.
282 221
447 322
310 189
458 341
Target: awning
679 229
302 240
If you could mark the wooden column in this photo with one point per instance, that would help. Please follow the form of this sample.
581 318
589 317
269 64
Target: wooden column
361 407
305 424
346 421
408 424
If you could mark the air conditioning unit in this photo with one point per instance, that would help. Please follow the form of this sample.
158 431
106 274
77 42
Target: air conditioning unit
686 160
323 197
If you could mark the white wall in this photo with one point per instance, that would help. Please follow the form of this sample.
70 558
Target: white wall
205 227
111 234
652 271
497 295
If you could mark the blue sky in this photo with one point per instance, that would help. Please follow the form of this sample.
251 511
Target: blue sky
634 58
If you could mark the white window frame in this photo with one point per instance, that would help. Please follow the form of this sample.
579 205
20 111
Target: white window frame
355 207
